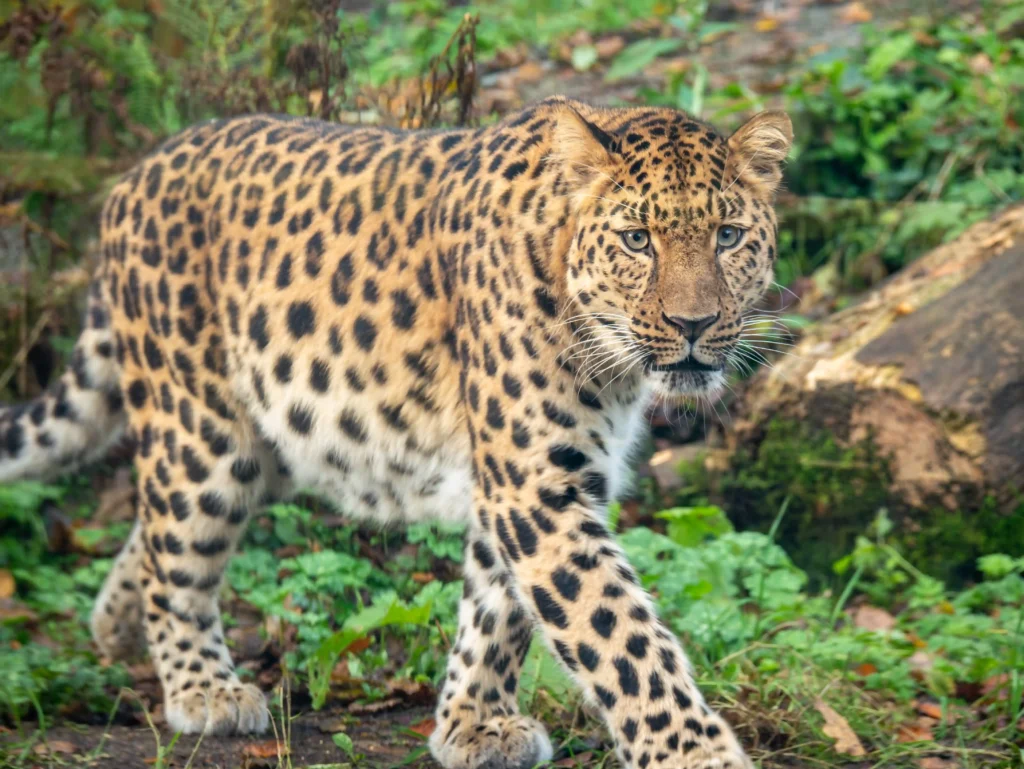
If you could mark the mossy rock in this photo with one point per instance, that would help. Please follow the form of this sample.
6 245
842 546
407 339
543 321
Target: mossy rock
828 493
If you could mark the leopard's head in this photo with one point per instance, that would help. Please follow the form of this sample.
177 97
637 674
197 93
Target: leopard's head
673 241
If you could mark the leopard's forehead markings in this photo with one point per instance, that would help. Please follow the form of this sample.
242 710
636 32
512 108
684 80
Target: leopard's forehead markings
673 171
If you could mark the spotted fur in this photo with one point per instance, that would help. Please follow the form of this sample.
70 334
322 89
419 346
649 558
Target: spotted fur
464 325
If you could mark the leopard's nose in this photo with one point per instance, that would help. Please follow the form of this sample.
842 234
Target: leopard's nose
693 327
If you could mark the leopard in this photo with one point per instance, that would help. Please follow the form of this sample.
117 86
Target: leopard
464 324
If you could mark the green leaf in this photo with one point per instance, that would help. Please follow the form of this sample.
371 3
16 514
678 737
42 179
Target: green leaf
887 54
344 742
541 671
634 57
996 565
584 57
355 627
691 526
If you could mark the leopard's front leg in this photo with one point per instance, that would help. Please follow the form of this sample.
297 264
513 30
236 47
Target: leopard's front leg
478 719
541 511
600 622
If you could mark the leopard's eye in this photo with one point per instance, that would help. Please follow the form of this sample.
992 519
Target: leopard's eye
729 236
636 240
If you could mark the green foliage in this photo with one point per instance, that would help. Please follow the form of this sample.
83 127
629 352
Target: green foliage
739 601
926 116
740 596
690 526
542 671
381 614
881 121
55 598
441 539
344 742
903 141
37 680
22 532
632 59
408 33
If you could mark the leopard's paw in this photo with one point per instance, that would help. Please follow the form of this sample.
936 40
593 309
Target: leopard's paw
500 742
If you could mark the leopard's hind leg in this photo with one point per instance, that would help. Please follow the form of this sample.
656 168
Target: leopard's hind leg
202 471
117 614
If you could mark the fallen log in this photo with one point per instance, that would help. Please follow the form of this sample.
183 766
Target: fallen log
911 400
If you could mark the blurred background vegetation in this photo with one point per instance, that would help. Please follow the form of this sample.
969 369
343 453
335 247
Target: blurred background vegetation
908 122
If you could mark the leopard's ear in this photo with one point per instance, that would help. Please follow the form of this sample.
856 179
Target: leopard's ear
758 149
584 149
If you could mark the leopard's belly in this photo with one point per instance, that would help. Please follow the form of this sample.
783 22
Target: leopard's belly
356 459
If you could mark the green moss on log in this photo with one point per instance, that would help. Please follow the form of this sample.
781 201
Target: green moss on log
831 493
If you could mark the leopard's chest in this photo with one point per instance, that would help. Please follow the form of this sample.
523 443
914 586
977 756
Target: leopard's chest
626 426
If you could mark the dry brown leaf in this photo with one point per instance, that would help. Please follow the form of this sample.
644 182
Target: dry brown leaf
268 749
855 13
872 618
528 72
932 710
937 762
10 609
412 691
838 728
422 577
424 728
142 671
920 660
116 503
358 645
369 708
914 733
980 64
7 586
608 47
916 640
53 747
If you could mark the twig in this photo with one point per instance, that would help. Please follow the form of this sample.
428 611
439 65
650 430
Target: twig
943 176
22 354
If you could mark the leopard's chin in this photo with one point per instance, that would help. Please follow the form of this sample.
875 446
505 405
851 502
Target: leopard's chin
682 386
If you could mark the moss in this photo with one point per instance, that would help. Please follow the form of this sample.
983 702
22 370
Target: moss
831 493
952 540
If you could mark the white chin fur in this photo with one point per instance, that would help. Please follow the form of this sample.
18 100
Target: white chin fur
681 386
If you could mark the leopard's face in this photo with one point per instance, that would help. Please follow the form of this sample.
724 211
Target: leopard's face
675 240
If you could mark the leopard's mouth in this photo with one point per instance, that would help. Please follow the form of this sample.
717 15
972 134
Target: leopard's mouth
688 364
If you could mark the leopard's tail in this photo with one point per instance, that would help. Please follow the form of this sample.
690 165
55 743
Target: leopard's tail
78 419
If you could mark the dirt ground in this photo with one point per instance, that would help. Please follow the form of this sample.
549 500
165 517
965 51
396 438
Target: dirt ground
375 736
